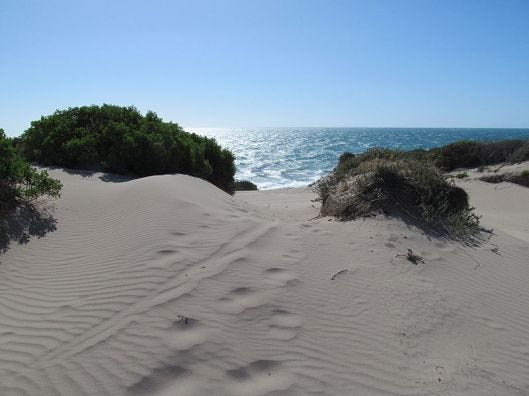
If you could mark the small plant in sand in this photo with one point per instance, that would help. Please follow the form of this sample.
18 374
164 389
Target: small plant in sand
412 257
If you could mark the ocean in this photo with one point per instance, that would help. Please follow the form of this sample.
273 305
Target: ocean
295 157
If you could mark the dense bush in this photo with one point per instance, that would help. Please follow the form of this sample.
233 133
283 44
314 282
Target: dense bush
463 154
521 154
408 187
472 154
19 182
122 140
244 185
351 164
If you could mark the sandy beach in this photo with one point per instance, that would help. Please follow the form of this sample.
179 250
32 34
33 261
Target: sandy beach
166 285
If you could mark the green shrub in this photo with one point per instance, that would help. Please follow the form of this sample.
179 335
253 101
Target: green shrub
350 164
521 154
472 154
121 140
462 154
522 179
244 185
414 189
19 182
413 183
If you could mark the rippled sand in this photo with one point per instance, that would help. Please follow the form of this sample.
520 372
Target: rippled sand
166 285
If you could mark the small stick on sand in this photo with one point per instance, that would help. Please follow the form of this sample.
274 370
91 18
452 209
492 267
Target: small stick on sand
338 273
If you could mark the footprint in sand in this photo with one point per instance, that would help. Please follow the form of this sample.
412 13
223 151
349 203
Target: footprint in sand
259 377
157 380
280 277
431 255
240 299
166 252
242 291
392 238
178 233
186 332
284 325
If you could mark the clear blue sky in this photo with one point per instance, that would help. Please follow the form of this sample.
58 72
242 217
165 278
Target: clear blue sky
270 63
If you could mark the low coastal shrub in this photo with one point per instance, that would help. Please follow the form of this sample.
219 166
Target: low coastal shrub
350 164
20 186
122 140
521 154
473 154
522 178
244 185
19 181
462 154
391 181
413 184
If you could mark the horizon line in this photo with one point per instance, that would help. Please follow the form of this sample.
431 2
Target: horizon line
358 127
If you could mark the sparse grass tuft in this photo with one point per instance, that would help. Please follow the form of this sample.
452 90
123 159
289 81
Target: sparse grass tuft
521 179
414 258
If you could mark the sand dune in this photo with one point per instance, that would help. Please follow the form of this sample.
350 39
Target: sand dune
167 286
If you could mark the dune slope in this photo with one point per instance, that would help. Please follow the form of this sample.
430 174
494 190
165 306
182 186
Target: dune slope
166 285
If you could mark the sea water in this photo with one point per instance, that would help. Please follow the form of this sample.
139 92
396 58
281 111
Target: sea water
296 157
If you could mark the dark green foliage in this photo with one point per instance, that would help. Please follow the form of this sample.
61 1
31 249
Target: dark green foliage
413 189
462 175
121 140
20 185
412 183
521 154
244 185
472 154
351 164
345 157
463 154
19 182
522 179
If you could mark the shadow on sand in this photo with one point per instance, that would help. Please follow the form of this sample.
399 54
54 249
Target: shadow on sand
19 224
106 177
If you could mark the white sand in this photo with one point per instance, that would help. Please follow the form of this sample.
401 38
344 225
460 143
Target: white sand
167 286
